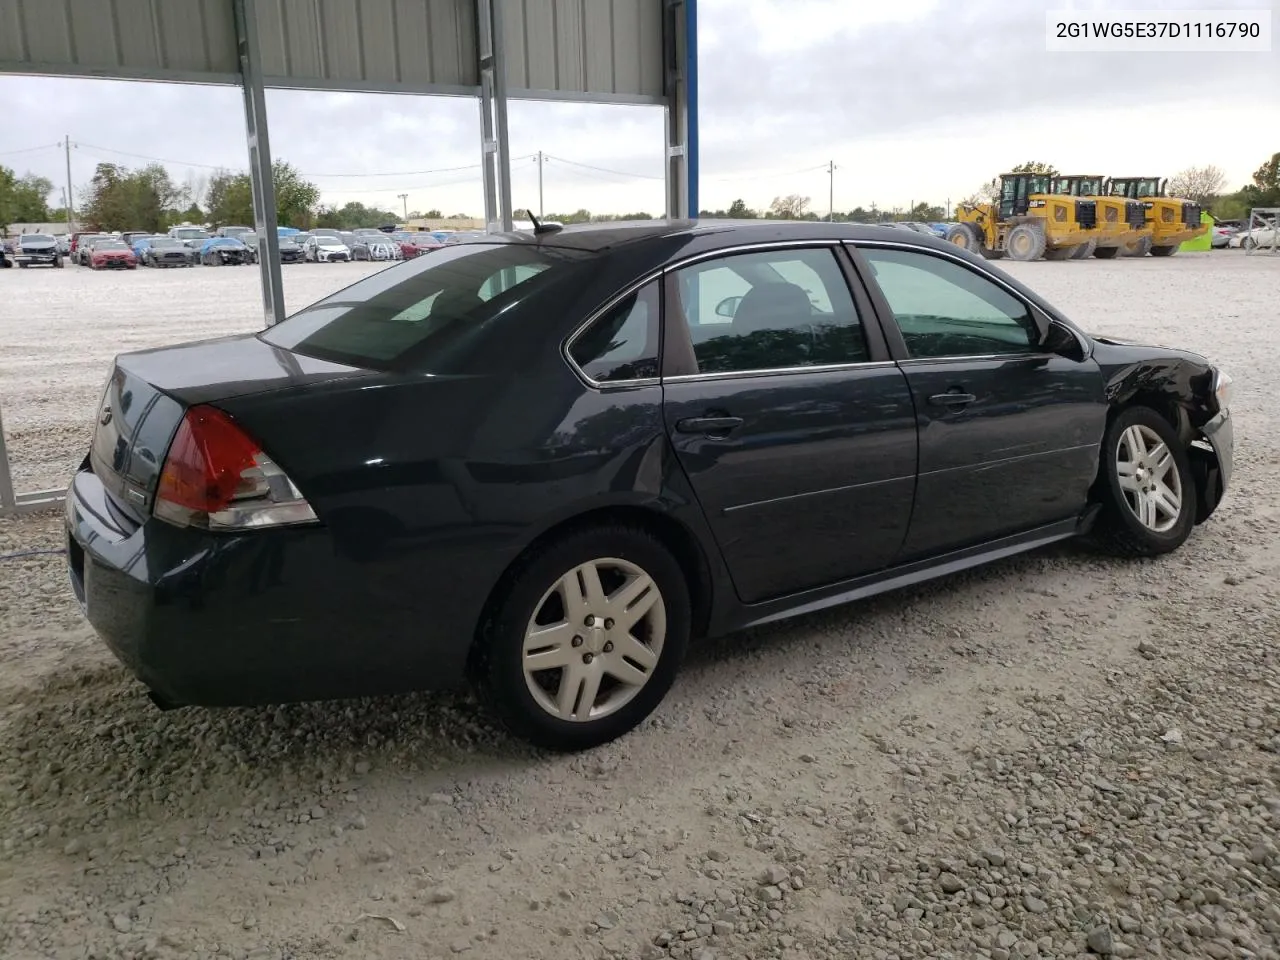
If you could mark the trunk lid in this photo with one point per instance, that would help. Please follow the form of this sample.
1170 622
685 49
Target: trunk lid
149 392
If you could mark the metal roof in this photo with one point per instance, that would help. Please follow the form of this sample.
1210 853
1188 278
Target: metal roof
597 50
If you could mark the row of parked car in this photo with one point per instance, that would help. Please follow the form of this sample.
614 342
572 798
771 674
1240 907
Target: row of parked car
187 246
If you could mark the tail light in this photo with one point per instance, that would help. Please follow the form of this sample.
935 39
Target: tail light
217 477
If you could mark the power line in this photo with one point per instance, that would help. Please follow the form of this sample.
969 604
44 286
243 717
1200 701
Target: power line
619 173
47 146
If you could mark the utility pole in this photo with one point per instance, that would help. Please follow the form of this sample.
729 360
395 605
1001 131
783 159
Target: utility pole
70 203
541 157
404 198
831 191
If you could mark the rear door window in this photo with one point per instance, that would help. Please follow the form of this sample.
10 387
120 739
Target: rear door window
412 317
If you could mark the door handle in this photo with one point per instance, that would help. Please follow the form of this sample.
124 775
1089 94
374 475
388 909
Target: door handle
952 398
710 425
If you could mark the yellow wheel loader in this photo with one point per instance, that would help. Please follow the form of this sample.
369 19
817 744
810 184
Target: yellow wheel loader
1122 223
1172 220
1027 223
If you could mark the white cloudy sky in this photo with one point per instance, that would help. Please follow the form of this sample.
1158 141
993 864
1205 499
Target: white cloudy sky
913 100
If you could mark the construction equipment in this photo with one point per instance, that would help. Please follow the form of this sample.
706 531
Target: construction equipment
1122 223
1027 223
1173 220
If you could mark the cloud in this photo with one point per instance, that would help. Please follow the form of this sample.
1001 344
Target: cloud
915 99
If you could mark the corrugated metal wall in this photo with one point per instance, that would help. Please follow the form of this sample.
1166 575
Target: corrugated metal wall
594 49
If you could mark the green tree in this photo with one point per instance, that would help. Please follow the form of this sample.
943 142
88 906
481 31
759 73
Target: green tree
924 212
121 199
738 210
790 207
230 198
23 199
296 197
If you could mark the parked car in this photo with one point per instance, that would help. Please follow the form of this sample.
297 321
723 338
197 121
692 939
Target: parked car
129 236
463 236
64 244
1257 237
164 252
250 240
1221 236
111 254
568 480
380 247
290 251
236 232
193 237
37 249
224 251
84 246
325 248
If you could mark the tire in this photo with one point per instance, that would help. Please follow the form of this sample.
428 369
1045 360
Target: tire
1164 251
1118 529
1139 249
57 264
1057 254
1248 243
990 253
530 594
1085 250
1025 242
23 266
1107 253
964 236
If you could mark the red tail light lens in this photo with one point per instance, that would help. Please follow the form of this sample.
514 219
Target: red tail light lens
216 476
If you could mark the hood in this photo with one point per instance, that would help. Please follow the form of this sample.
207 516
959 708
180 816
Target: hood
37 244
331 245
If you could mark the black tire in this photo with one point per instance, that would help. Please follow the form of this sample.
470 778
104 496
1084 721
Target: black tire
1167 251
1025 242
23 266
964 236
1085 250
1139 249
1106 253
498 665
1057 254
1118 529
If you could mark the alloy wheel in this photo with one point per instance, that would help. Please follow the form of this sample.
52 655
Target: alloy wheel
594 640
1149 478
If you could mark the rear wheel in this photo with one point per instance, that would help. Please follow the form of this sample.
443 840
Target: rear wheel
586 639
1166 251
1106 253
1085 250
1025 242
1148 491
1139 249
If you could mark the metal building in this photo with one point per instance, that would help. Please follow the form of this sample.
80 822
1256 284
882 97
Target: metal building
598 51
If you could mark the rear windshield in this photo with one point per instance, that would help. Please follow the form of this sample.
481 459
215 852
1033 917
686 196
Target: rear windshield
415 316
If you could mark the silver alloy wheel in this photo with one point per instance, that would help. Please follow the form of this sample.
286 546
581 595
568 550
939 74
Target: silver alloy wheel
1149 478
594 640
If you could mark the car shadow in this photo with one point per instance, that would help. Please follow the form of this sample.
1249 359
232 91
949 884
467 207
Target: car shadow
93 731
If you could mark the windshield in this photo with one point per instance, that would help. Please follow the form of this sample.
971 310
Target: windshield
416 316
35 238
191 234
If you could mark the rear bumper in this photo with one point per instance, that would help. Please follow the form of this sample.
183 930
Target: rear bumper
268 617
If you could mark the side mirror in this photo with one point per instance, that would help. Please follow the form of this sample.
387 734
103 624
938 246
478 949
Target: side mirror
728 307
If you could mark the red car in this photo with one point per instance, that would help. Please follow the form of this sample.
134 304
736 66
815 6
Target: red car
415 244
112 255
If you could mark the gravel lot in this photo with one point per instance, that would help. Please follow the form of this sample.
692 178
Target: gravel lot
1058 756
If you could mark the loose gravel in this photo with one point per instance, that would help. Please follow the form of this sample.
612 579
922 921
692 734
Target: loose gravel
1059 756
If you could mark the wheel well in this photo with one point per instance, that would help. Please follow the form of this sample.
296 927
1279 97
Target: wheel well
1162 404
673 535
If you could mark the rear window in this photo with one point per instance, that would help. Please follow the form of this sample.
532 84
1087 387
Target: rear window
417 315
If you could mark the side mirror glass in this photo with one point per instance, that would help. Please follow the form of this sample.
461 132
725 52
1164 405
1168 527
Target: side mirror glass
728 306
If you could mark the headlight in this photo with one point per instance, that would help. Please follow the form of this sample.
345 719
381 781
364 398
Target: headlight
1222 388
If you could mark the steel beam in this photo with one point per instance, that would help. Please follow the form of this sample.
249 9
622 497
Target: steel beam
264 191
7 500
495 152
680 79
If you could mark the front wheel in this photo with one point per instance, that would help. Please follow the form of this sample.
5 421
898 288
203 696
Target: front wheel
586 639
1147 488
1165 251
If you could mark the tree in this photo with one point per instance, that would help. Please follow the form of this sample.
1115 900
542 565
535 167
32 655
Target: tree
923 212
1198 184
121 199
23 199
230 197
1035 166
1267 177
790 207
436 215
738 210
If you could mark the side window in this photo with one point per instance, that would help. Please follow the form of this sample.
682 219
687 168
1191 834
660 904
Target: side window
623 343
946 310
789 307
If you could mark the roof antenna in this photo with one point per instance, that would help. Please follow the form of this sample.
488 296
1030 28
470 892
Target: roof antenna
540 227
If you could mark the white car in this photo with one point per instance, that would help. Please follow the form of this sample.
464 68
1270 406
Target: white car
1257 237
324 249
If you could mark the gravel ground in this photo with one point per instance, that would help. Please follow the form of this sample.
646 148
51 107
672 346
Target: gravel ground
1058 756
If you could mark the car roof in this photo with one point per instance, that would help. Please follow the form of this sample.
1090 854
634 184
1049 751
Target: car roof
608 235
